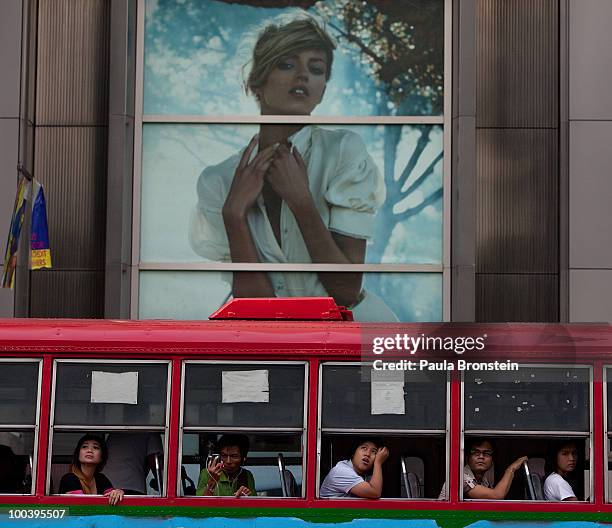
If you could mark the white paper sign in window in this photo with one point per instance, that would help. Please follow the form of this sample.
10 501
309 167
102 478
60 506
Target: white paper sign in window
114 387
387 392
245 386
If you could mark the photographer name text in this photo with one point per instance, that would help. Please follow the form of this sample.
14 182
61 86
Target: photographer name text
460 364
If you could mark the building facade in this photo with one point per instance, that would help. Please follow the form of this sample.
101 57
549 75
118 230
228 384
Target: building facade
519 181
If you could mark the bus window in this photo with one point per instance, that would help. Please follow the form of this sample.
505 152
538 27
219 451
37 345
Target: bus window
405 411
124 404
261 462
532 412
608 411
234 407
19 389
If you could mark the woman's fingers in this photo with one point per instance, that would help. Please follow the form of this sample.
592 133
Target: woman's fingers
262 161
115 497
246 155
298 157
266 154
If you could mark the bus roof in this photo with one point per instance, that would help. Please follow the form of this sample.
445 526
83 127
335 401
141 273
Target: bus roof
324 339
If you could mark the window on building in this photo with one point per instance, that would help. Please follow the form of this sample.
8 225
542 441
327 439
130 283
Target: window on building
372 128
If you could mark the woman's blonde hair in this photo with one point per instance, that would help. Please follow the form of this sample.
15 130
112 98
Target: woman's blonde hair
278 41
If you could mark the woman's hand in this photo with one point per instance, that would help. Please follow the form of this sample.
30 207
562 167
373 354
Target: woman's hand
243 491
115 496
248 180
288 176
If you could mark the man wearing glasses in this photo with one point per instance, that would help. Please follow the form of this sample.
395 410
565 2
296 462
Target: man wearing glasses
224 475
479 457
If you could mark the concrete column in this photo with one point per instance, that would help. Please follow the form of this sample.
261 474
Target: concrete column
10 66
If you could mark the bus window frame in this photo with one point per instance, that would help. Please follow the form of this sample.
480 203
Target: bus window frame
35 427
378 432
493 433
606 430
196 429
165 429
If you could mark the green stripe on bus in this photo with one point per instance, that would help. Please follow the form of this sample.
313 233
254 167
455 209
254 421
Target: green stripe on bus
444 518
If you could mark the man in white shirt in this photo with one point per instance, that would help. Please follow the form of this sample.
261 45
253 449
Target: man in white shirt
350 478
130 456
479 457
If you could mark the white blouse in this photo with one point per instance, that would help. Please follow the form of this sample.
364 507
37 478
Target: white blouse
345 184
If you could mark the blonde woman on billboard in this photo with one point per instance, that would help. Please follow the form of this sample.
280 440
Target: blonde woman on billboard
297 193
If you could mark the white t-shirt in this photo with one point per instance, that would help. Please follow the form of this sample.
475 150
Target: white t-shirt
127 459
340 480
556 488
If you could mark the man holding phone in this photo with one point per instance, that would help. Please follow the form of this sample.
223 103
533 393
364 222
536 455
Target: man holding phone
224 475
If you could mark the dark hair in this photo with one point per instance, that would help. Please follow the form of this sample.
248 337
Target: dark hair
11 481
235 440
554 447
474 441
376 440
104 449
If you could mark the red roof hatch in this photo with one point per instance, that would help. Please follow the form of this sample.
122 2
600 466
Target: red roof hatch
284 308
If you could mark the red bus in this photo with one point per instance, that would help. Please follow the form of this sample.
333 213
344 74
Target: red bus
302 388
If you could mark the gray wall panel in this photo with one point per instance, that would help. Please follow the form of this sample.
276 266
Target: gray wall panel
71 164
464 58
10 58
517 63
463 219
590 194
513 297
9 133
590 42
6 302
78 294
73 62
516 201
590 296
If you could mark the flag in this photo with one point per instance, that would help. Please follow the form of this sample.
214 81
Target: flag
12 243
40 253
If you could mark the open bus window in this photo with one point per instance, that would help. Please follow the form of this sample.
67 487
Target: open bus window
262 402
136 469
414 469
16 461
530 483
260 468
122 402
405 411
535 412
19 394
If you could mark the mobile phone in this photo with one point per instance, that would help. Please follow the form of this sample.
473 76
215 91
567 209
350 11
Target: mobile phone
214 457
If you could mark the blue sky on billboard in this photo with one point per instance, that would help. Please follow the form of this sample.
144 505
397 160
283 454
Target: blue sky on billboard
389 61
